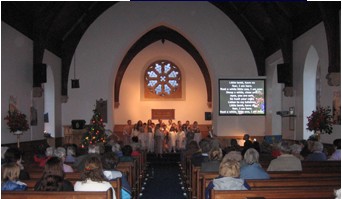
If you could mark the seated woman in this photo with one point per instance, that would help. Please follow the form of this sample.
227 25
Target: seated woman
60 152
286 161
109 162
228 178
10 178
92 177
252 169
317 153
215 157
126 154
337 153
53 177
14 155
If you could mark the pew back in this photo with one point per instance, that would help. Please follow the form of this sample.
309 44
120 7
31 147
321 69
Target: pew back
57 195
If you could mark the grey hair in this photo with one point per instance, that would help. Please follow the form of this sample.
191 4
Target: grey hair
317 146
296 148
71 151
284 147
60 152
251 156
50 151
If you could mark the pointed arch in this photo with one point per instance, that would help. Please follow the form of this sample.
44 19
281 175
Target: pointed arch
161 33
309 86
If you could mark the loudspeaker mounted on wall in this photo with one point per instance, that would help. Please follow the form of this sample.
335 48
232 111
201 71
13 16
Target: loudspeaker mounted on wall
284 73
75 83
39 74
207 115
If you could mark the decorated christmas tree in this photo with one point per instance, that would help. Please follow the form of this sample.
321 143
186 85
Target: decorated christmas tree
96 131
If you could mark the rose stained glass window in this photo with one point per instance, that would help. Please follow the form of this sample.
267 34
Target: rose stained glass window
162 79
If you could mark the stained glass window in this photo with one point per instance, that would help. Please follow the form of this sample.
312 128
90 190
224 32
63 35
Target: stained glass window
162 79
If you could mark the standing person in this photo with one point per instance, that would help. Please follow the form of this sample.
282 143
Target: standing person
286 161
337 153
158 140
228 179
127 131
252 169
13 155
197 133
143 136
172 138
53 177
150 137
181 139
248 144
92 177
10 178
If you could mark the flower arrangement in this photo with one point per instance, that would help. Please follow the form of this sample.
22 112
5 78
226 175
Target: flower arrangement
320 120
16 121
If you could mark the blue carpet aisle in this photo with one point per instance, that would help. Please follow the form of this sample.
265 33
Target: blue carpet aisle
163 178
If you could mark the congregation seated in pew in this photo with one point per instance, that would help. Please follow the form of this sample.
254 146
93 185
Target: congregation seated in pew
286 161
53 177
92 177
228 178
110 162
10 178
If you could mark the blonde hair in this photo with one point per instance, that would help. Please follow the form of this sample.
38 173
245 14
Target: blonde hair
215 153
230 168
10 171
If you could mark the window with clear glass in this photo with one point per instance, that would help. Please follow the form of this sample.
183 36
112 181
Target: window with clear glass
162 80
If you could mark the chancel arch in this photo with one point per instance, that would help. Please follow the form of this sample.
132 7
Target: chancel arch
163 34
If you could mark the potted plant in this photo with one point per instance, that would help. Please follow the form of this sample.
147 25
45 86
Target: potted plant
17 122
320 121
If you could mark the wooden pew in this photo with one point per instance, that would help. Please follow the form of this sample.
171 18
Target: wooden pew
285 179
300 193
57 194
116 184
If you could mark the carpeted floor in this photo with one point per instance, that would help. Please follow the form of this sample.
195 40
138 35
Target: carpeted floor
163 178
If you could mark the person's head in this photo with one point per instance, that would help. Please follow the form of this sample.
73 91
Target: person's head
93 169
230 168
116 147
296 148
129 122
10 171
109 161
337 143
12 155
215 153
251 156
284 148
71 151
61 153
317 147
135 139
204 145
232 155
246 137
54 166
233 142
51 183
127 150
50 151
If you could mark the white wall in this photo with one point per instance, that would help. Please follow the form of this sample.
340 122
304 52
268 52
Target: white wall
17 80
105 43
314 38
16 77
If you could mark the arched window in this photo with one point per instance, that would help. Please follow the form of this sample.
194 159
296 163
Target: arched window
162 79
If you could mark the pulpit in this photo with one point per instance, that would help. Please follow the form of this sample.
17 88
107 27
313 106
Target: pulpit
73 136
